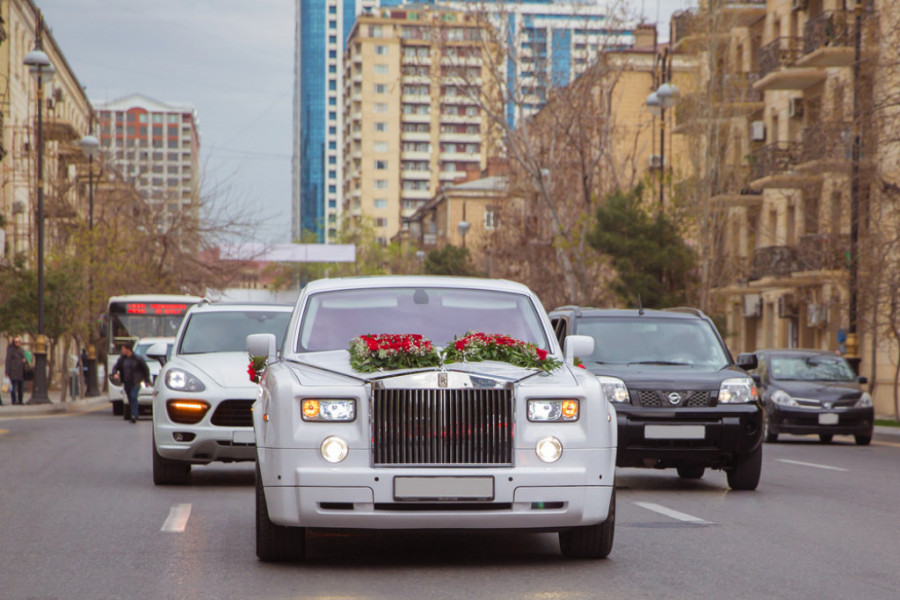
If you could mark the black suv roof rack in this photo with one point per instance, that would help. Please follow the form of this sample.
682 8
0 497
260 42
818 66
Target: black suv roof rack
686 309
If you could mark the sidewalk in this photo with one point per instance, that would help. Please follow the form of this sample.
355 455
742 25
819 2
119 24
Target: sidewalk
56 405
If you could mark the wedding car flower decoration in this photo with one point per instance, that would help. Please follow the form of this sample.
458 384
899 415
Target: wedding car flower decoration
390 351
475 347
256 367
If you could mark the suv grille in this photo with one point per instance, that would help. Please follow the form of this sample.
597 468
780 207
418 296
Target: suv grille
442 426
686 398
233 413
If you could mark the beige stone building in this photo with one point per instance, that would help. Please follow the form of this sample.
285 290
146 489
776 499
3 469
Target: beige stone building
795 213
66 117
412 117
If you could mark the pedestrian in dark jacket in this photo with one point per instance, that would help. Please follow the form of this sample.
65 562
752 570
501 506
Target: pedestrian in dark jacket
15 369
131 370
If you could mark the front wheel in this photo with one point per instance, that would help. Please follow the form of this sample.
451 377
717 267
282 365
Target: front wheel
690 472
276 542
117 407
863 440
744 473
825 438
771 436
169 472
590 541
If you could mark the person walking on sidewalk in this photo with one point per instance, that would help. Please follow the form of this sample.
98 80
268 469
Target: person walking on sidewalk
15 369
131 370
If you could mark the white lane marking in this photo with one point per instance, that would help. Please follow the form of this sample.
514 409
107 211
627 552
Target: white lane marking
177 519
671 513
809 464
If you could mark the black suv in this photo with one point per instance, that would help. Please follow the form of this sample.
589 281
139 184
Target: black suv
681 399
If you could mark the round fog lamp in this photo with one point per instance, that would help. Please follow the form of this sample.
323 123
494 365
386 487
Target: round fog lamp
549 449
334 449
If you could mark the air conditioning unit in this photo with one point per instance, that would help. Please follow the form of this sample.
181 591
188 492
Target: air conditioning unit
795 108
752 305
656 161
758 131
787 307
816 315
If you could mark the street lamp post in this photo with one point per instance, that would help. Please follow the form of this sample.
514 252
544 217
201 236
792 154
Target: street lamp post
463 226
42 70
90 147
665 96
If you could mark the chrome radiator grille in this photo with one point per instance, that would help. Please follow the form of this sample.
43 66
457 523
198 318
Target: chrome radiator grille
442 426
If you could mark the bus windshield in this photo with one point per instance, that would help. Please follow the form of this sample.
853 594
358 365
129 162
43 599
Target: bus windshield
132 320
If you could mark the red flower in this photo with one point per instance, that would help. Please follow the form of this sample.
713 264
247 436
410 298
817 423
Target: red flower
542 354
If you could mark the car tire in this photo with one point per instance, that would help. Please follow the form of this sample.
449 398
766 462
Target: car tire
863 440
276 542
744 473
117 407
770 436
590 541
169 472
691 472
825 438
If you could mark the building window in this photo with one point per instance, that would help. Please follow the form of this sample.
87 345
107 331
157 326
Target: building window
380 222
381 203
490 218
380 107
380 88
332 39
381 184
381 126
332 145
380 50
381 146
332 160
380 165
380 69
332 189
332 85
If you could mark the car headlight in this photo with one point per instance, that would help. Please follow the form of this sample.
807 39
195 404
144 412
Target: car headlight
737 390
334 449
549 449
544 410
316 409
865 401
181 380
782 398
614 389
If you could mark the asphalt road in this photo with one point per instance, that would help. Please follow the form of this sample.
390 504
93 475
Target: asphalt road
81 518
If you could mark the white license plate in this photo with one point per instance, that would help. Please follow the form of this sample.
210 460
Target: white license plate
829 419
444 488
674 432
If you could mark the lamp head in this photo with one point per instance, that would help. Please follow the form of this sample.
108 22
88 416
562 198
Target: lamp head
39 66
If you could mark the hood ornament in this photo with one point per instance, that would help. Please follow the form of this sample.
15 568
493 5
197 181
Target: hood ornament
443 379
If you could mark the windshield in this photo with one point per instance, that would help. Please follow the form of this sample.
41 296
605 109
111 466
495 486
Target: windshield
645 340
222 331
129 321
332 319
141 349
811 368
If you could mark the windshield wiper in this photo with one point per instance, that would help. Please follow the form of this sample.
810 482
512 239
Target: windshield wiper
661 362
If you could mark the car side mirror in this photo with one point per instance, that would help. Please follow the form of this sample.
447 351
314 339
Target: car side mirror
747 361
158 352
862 379
261 344
578 346
756 378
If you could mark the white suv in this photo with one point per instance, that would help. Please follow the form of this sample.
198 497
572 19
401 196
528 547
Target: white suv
202 398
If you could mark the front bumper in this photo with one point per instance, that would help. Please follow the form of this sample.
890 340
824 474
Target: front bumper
851 421
304 491
717 435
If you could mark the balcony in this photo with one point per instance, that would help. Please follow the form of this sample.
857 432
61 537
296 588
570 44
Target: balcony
774 166
778 68
773 261
736 88
823 252
729 270
828 40
741 13
828 145
688 28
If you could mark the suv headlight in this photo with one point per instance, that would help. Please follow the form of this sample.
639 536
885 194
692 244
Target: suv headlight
317 409
181 380
782 398
614 389
545 410
865 401
737 390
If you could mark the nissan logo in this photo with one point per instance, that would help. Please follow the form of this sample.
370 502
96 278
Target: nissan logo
674 398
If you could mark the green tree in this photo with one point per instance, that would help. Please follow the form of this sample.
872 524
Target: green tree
450 260
652 260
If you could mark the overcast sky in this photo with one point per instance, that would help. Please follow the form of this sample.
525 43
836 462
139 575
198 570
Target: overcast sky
232 60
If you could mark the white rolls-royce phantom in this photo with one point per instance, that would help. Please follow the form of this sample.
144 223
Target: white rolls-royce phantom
428 403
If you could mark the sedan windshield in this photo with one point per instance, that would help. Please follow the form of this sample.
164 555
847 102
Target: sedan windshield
332 319
811 368
648 341
222 331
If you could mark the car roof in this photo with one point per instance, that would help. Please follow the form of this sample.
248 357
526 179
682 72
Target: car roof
244 306
796 352
388 281
154 340
590 311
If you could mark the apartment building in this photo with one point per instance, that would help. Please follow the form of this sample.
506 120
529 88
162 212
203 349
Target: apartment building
155 145
790 123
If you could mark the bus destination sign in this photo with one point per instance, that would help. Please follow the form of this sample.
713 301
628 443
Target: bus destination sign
156 308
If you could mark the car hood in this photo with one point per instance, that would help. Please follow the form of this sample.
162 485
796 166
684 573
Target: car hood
820 390
668 376
336 364
227 369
